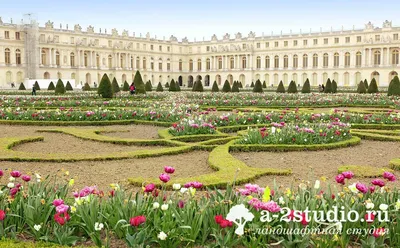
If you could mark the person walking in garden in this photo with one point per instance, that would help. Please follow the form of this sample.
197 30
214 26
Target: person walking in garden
323 88
33 91
132 89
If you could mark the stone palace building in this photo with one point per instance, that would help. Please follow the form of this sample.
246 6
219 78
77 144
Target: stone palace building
28 51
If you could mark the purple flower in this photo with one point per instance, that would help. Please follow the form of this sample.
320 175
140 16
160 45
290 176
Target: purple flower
15 173
181 204
378 182
389 176
348 174
372 189
195 185
165 178
362 188
169 169
62 208
58 202
149 187
271 206
26 178
340 179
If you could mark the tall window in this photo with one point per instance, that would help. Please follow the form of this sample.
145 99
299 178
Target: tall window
232 62
85 59
395 57
151 64
144 63
191 65
110 63
44 62
285 61
7 54
132 62
258 62
220 63
347 59
7 34
199 64
137 63
276 61
168 65
57 58
17 36
98 61
295 61
72 59
244 62
18 57
305 61
208 64
315 60
326 60
377 58
336 60
358 59
267 62
160 64
180 65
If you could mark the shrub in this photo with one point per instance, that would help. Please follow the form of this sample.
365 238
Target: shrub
235 87
366 84
306 87
178 87
334 86
68 86
252 85
328 86
126 86
373 87
105 87
258 87
215 87
149 86
22 87
226 87
138 81
159 87
172 86
36 85
292 87
198 86
394 87
115 86
281 88
60 89
167 85
86 87
264 85
51 86
361 88
240 85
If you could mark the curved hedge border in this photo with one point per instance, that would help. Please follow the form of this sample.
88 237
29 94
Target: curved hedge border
363 171
84 123
376 136
395 164
376 126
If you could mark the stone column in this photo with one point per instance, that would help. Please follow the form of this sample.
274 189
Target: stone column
382 57
363 57
388 56
50 57
370 58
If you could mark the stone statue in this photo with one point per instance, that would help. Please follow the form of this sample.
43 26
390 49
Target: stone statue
114 32
238 36
369 26
125 33
185 40
1 21
77 28
387 24
60 26
173 38
67 26
214 38
252 34
148 36
226 36
90 29
49 25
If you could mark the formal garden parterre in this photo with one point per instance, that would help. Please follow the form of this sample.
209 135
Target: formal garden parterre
170 169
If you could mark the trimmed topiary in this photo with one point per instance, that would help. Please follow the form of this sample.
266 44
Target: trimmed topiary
292 87
139 85
258 87
22 87
252 85
159 87
60 89
226 87
334 86
126 86
167 85
198 86
328 86
264 85
215 87
366 84
361 88
373 87
281 88
240 85
235 87
115 86
105 87
394 87
306 87
178 87
36 85
86 87
172 86
68 86
149 86
51 86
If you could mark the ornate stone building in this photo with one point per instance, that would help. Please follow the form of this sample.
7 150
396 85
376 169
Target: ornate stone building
49 52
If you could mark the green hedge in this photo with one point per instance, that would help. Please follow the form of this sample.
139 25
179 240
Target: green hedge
363 171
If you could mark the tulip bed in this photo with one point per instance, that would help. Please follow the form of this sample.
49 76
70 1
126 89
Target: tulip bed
171 211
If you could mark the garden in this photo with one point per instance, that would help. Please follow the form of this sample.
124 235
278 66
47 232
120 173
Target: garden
179 168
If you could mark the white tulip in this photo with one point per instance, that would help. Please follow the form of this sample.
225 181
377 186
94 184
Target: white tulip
317 184
162 236
37 227
156 205
98 226
383 207
176 186
12 179
164 207
10 185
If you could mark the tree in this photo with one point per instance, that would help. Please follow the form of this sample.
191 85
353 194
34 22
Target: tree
235 87
172 86
22 87
178 87
361 88
240 85
306 87
226 87
139 85
394 87
159 87
126 86
366 83
252 85
51 86
215 87
328 86
36 85
86 87
334 86
292 87
240 215
373 87
105 87
258 87
281 88
149 86
60 89
198 86
68 86
264 85
115 86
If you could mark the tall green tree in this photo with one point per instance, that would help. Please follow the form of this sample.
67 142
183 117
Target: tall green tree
373 87
105 87
159 87
361 88
172 86
126 86
139 85
306 87
198 86
334 86
226 87
115 86
148 86
215 87
51 86
281 88
394 87
235 87
60 89
292 87
328 86
258 87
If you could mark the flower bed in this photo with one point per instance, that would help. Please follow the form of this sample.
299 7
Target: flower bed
191 127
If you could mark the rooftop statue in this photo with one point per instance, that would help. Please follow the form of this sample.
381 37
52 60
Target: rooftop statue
387 24
214 38
90 29
252 34
125 33
114 32
369 26
226 36
77 28
238 36
49 25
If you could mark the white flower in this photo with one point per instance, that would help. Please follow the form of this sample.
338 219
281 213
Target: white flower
10 185
98 226
156 205
305 140
281 201
176 186
164 207
369 204
12 179
353 188
397 205
170 202
133 202
184 190
273 129
162 236
37 227
317 184
383 207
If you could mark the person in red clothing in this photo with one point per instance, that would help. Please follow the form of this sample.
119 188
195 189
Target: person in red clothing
132 88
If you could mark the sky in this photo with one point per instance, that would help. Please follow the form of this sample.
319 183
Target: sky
203 18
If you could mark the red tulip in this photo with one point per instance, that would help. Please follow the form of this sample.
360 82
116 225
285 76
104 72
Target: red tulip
136 221
165 178
15 173
2 215
149 187
26 178
169 169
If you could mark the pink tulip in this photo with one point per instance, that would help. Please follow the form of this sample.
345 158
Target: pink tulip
340 179
378 182
348 174
165 178
181 204
1 173
149 187
15 173
362 188
58 202
371 189
26 178
62 208
389 176
169 169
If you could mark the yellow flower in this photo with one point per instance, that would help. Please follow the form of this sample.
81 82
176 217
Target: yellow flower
67 173
323 178
249 197
192 191
335 237
42 201
71 182
288 192
73 209
320 130
278 130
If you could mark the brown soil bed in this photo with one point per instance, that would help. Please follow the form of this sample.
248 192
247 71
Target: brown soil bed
134 132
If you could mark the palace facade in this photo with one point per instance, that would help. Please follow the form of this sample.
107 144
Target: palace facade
28 51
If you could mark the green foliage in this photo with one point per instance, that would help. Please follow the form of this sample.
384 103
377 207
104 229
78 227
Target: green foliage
167 85
68 86
178 87
172 86
149 86
86 87
226 87
51 86
60 89
115 86
240 85
36 85
394 87
235 87
252 85
361 88
334 86
126 86
105 87
328 86
264 85
198 86
215 87
159 87
292 87
22 87
281 88
138 81
306 87
373 87
366 83
258 87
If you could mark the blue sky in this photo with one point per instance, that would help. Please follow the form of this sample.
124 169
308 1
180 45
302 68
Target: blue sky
198 19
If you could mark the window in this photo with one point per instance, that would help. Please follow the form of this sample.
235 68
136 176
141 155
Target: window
98 61
58 58
326 60
244 62
85 59
168 48
244 46
151 47
395 36
72 40
295 61
160 64
377 58
72 59
17 36
326 41
144 64
315 60
258 62
180 65
267 62
395 57
7 34
358 38
336 40
305 61
7 54
160 48
137 46
168 65
347 39
358 59
191 65
276 43
109 43
110 58
220 63
347 59
285 43
305 42
18 57
377 37
208 48
232 62
199 64
43 55
137 63
266 44
276 61
295 43
151 64
144 47
258 45
208 64
315 41
336 60
285 61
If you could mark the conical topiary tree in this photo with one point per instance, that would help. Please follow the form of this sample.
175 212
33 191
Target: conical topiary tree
22 87
36 85
159 87
328 86
68 86
366 83
167 85
306 87
361 88
215 87
281 88
240 85
126 86
292 87
394 87
252 85
264 85
51 86
198 86
60 89
258 87
172 86
334 86
148 86
373 87
235 87
178 88
139 85
105 87
86 87
226 87
115 86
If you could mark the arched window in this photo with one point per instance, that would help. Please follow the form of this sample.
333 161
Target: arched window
358 59
295 61
199 64
326 60
276 61
44 61
85 59
232 62
72 59
18 57
336 60
377 58
191 65
144 63
160 62
138 63
168 64
244 60
315 60
305 61
267 62
395 57
347 59
180 65
208 64
7 55
258 62
57 58
285 61
110 64
220 63
151 63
